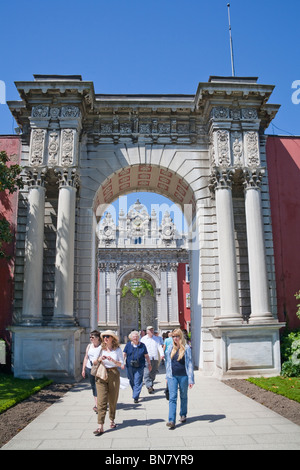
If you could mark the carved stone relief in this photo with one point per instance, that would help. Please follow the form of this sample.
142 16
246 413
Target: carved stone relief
37 146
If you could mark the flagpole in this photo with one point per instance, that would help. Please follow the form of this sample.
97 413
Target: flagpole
231 43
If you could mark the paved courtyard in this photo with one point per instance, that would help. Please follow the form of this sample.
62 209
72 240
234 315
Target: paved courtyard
219 418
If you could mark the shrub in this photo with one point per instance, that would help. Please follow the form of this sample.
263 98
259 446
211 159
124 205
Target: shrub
290 354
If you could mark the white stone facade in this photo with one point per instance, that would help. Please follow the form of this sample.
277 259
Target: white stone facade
206 152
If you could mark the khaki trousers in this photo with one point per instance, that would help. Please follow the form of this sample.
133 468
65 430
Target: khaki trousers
108 393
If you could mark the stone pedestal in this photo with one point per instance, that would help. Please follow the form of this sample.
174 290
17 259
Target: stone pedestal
47 352
247 350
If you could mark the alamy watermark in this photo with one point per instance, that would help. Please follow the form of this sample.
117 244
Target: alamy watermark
296 93
2 92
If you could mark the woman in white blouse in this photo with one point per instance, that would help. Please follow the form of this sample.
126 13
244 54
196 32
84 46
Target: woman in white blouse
111 357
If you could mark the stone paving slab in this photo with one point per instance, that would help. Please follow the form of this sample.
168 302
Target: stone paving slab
219 418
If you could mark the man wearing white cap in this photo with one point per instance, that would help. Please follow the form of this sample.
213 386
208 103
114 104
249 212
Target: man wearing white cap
154 350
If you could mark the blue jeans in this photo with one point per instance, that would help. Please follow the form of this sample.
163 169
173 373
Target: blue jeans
92 380
135 376
173 384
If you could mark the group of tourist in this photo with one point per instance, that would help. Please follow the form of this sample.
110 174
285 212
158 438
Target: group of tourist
141 356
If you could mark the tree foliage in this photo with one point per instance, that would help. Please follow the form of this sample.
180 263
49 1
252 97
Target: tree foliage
10 181
138 288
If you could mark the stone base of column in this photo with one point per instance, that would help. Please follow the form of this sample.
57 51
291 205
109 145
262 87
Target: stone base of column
244 351
226 320
47 352
62 321
168 326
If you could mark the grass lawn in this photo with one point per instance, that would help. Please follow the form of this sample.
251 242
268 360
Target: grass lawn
13 390
286 386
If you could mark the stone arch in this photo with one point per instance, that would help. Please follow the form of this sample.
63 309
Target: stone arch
178 186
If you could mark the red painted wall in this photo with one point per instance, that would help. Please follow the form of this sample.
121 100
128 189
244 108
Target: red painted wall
183 289
8 208
283 161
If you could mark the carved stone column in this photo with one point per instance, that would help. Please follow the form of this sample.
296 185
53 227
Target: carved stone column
112 311
174 314
33 270
65 239
222 180
259 286
164 317
102 294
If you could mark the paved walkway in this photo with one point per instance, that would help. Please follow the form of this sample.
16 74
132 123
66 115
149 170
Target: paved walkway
219 418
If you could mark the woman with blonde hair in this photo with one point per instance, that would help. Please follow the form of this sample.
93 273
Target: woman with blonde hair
179 373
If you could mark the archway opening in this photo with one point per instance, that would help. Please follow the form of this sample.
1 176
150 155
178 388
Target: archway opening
139 240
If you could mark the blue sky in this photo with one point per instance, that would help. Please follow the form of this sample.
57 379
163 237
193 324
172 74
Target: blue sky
154 46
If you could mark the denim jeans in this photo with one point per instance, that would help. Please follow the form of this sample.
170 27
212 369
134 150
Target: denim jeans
135 376
173 384
92 380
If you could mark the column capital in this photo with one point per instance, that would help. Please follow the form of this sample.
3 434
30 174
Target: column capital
221 178
35 176
67 177
253 177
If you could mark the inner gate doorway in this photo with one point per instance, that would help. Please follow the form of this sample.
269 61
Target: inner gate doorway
137 307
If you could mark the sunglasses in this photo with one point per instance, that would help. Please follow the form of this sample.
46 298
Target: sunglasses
176 336
106 336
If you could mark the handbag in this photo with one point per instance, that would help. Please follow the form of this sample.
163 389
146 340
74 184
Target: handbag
102 372
94 369
99 370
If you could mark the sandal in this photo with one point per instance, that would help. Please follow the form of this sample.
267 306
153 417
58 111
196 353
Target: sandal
113 425
95 409
98 432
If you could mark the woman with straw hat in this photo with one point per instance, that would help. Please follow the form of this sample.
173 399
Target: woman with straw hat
111 357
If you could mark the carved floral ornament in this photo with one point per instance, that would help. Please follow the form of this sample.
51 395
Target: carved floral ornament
53 147
234 149
223 113
54 112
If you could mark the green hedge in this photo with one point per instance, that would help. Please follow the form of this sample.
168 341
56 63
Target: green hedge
13 390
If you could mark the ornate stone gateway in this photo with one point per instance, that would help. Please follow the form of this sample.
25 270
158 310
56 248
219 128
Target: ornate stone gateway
205 152
139 247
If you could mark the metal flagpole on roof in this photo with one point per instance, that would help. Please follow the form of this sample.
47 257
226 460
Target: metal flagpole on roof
231 43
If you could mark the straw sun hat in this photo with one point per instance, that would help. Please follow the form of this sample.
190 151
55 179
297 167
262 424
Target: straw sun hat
110 333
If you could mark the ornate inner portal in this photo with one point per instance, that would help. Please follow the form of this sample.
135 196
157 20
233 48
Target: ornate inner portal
139 247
